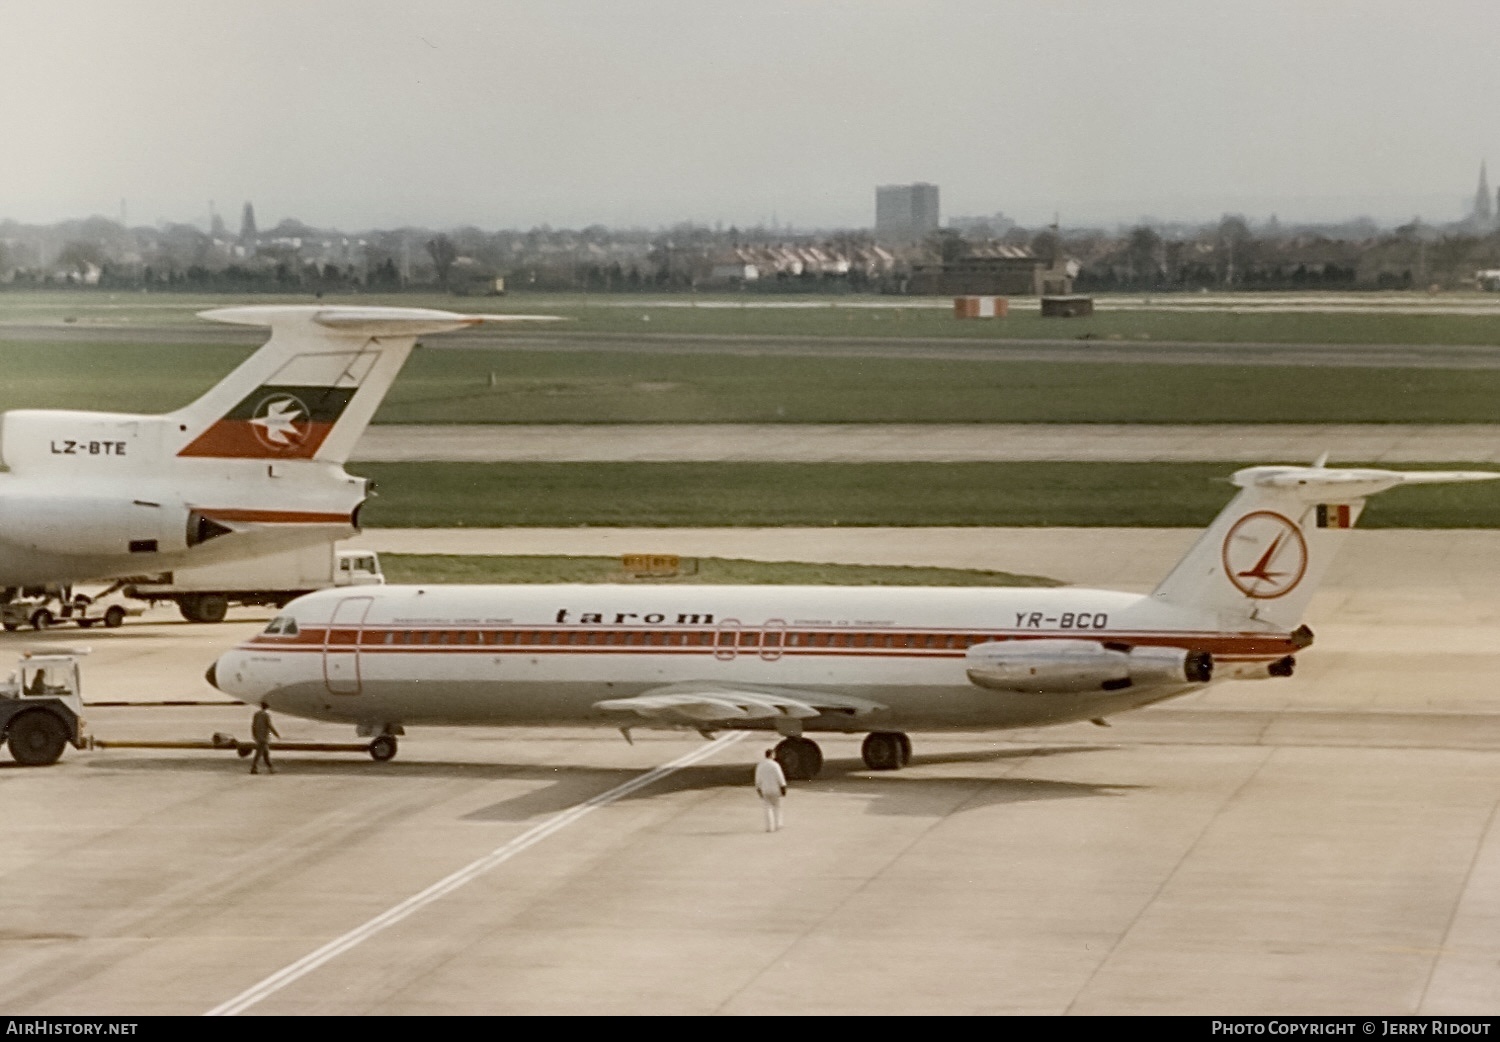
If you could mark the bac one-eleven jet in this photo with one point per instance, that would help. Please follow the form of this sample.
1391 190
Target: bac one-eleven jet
796 660
255 464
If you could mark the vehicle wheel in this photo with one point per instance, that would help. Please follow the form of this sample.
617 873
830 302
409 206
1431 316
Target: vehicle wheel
383 748
212 607
203 607
84 624
114 617
41 619
800 758
11 627
36 738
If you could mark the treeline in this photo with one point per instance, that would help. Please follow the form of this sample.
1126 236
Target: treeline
295 258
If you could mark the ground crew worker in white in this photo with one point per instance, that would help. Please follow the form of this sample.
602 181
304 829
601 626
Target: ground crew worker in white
770 785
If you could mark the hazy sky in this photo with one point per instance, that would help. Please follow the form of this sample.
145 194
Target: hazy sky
649 112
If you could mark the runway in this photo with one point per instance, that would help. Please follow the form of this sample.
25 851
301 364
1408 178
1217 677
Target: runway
1064 348
1322 844
936 443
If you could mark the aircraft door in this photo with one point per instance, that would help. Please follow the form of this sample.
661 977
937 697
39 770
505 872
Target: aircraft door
341 645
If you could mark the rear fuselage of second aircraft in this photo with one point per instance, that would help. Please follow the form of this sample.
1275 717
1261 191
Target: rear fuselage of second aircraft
548 654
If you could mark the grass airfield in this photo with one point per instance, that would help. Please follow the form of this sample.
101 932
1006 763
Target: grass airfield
1352 318
537 385
542 385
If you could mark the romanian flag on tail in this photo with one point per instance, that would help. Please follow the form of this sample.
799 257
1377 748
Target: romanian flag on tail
1335 515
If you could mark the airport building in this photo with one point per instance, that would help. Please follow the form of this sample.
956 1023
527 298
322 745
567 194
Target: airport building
906 213
996 269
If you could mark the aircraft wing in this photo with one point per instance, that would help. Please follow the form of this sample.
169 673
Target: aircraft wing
706 704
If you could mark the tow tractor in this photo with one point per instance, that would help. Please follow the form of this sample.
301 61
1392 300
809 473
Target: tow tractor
41 706
41 712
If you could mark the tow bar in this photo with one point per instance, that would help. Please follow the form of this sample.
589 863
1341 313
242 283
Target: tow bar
228 742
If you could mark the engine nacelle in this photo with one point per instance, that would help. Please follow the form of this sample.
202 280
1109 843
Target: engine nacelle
89 526
1075 666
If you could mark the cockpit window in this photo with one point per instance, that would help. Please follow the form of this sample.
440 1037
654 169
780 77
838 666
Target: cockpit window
282 625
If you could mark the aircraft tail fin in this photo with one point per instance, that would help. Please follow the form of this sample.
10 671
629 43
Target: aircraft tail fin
1264 556
311 390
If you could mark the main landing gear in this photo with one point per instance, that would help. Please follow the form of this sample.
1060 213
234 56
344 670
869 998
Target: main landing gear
801 759
886 750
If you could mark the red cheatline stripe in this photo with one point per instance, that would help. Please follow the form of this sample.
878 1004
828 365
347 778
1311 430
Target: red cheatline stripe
275 517
820 643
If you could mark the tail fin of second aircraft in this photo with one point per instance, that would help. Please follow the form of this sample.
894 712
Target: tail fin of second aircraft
1266 553
311 390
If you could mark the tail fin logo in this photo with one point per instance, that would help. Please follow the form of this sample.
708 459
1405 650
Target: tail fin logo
274 422
1265 555
281 422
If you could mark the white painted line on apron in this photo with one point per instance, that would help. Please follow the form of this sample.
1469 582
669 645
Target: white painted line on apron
305 965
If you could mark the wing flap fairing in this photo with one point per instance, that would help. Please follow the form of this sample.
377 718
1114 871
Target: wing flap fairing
696 705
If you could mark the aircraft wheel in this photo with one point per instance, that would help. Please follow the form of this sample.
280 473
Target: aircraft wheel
800 758
383 748
886 750
41 619
36 738
114 618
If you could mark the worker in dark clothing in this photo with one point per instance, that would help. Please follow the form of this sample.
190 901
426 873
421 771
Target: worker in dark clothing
261 729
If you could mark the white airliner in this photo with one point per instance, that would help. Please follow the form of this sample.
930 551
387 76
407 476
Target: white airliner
253 465
798 659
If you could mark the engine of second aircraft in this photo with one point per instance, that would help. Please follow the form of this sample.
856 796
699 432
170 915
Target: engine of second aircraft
1075 666
94 525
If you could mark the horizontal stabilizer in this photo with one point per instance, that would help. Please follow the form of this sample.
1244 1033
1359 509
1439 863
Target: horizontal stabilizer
1349 482
363 321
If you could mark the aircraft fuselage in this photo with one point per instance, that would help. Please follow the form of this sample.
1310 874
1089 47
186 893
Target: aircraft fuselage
548 654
